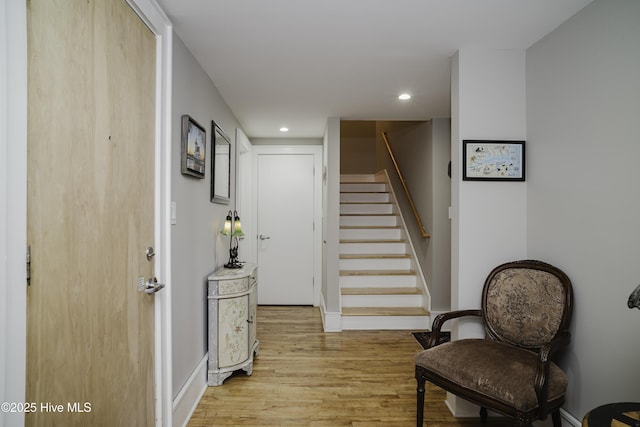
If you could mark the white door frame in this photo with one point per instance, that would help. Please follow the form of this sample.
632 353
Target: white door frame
159 24
316 151
13 205
13 191
244 194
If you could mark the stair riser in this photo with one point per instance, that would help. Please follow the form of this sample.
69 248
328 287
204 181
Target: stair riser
373 248
347 177
370 233
369 221
382 300
367 264
385 322
366 208
377 281
365 197
373 187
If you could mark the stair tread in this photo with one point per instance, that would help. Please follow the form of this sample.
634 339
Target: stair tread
363 182
384 311
373 241
362 177
368 214
373 256
370 272
358 202
363 191
370 227
381 291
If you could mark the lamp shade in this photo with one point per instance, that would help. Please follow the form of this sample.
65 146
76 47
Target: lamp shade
237 226
226 229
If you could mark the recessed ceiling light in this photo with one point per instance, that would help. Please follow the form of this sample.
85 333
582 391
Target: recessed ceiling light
404 96
284 129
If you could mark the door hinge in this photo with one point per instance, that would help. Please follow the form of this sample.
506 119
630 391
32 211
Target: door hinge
29 265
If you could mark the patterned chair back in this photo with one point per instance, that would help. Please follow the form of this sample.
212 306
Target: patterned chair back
526 303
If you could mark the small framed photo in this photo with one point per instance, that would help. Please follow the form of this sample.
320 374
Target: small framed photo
194 144
493 160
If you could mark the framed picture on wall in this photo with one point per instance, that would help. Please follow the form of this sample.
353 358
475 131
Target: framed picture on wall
493 160
194 144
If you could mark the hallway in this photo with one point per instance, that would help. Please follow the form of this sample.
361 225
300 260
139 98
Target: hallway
305 377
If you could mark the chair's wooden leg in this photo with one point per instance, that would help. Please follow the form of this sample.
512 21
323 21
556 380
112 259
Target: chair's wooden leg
483 415
557 420
420 401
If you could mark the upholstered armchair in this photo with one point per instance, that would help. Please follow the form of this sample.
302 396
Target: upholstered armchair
526 310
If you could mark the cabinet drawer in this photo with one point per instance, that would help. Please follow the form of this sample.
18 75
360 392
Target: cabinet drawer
233 286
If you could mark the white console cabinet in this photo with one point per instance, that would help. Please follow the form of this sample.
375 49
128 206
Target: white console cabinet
233 341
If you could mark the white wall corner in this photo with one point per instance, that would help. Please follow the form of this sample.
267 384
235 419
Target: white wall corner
331 320
186 402
487 102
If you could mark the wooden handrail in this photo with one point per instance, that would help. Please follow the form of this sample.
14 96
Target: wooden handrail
406 189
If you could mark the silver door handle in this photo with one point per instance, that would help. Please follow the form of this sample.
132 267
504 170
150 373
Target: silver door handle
153 286
263 237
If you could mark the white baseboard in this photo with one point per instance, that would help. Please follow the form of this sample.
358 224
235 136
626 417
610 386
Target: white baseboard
187 400
567 420
462 408
570 419
331 320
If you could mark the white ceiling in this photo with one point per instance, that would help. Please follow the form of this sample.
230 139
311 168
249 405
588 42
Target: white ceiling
295 63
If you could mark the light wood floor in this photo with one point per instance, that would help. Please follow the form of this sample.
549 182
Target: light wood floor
305 377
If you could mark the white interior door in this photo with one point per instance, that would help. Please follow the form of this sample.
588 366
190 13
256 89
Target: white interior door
286 217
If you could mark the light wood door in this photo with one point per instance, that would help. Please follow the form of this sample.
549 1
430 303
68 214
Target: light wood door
285 216
90 332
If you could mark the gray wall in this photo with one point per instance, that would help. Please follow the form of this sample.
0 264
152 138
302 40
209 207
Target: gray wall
439 257
583 131
331 219
197 246
423 151
357 147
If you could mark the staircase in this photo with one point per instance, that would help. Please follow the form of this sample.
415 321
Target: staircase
380 282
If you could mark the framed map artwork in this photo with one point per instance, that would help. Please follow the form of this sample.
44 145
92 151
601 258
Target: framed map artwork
493 160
